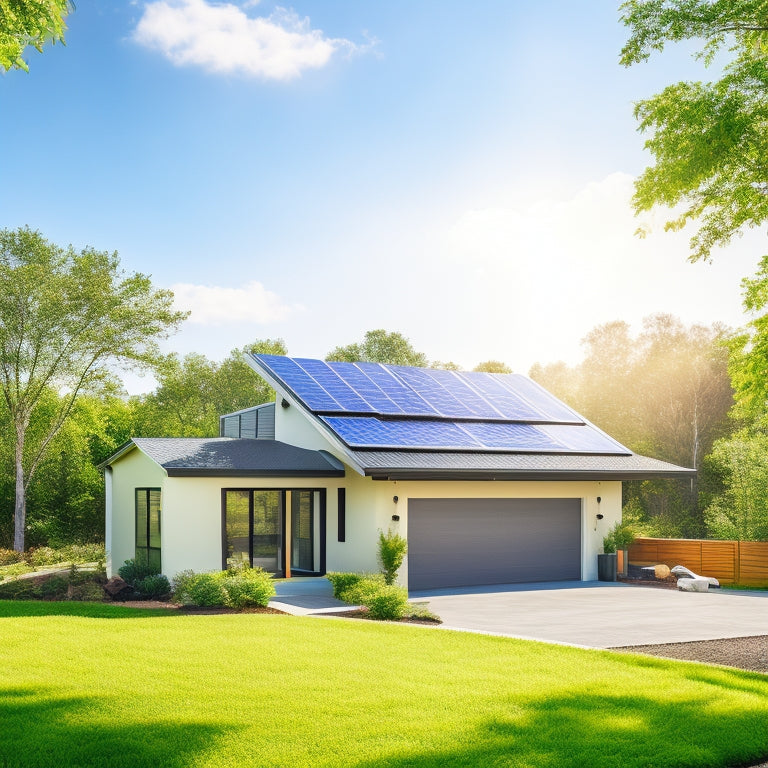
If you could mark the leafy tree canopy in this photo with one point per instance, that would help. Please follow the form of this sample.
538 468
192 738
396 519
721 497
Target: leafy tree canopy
65 317
492 366
29 22
379 346
708 139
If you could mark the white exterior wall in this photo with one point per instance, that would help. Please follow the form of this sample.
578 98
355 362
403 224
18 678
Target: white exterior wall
134 470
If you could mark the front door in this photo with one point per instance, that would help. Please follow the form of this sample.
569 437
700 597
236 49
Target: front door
255 523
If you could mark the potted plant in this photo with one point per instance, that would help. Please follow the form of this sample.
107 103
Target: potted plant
623 536
606 562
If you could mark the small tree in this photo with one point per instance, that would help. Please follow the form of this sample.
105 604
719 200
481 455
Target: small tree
64 318
29 22
392 549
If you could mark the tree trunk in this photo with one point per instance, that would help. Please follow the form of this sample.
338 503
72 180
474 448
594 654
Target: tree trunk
20 508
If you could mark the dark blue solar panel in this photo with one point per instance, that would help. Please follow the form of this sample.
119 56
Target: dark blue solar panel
348 399
301 383
583 439
408 401
513 437
548 405
366 388
511 405
447 393
370 432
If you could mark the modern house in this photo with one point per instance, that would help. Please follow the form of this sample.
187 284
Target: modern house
489 477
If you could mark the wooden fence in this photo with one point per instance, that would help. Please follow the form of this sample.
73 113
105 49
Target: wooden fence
730 562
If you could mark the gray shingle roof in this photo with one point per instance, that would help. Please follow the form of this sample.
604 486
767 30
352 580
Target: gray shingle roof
233 457
430 465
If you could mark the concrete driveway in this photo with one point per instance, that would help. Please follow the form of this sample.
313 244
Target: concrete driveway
600 614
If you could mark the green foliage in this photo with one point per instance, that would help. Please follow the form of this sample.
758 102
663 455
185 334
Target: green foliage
392 549
54 588
65 317
707 139
383 600
10 557
379 346
341 582
741 510
492 366
388 603
29 22
248 586
44 556
620 536
132 571
153 587
235 588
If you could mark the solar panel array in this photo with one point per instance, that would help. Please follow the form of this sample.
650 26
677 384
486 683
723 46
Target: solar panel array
372 405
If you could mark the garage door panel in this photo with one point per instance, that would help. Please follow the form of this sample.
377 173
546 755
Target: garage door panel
467 542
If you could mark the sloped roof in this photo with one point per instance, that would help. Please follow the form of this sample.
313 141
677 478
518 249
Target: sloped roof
232 457
395 422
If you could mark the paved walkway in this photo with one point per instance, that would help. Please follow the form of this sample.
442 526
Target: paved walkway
592 614
599 614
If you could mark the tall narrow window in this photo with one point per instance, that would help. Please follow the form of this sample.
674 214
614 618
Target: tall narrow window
342 514
148 527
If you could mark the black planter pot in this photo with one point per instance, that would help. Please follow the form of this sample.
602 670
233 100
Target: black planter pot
606 567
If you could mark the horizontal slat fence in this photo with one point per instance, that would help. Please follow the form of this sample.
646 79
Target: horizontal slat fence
730 562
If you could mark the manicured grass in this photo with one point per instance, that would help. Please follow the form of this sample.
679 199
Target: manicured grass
96 685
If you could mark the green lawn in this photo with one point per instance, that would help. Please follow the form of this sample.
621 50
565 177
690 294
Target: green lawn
88 685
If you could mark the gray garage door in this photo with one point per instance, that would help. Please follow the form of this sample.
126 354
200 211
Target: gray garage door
467 542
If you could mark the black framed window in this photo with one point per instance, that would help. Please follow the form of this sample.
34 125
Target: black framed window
342 514
148 549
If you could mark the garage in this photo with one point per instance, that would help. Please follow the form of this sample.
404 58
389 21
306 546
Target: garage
470 542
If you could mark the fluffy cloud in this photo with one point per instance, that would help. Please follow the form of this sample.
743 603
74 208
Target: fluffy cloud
214 305
223 38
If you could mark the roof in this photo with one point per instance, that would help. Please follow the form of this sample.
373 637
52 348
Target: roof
432 465
232 457
395 422
375 406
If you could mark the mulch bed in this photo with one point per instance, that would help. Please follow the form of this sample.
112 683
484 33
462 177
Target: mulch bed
363 614
195 610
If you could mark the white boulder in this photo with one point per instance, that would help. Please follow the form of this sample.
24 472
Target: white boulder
681 570
693 585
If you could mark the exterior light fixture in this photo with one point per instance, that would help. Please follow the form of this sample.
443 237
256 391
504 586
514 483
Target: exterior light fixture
396 518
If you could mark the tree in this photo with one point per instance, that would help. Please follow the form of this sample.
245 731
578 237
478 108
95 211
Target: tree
380 347
194 391
29 22
65 317
492 366
741 511
708 139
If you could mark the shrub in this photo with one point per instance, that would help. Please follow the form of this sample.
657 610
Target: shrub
341 582
44 556
83 553
363 589
388 602
55 587
248 586
206 589
180 586
620 536
135 570
153 587
10 557
392 549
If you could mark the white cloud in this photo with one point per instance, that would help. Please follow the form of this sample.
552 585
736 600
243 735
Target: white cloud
223 38
214 305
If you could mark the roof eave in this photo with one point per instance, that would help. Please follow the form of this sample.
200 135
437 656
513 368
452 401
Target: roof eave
399 473
198 472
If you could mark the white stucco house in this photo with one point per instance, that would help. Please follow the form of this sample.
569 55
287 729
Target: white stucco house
489 477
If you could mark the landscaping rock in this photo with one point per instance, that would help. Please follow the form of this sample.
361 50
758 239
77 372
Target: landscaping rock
693 585
118 589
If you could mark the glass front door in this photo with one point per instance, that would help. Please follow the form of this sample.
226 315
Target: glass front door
302 531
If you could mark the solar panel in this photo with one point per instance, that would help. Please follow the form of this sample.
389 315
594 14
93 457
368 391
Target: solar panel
370 432
300 383
436 409
348 399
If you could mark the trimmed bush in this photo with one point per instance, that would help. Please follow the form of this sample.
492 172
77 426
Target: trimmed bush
206 589
10 557
341 582
54 588
388 603
180 586
248 586
44 556
363 589
83 553
153 587
392 549
135 570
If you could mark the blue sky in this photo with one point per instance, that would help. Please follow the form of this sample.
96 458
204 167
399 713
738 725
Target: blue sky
457 172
